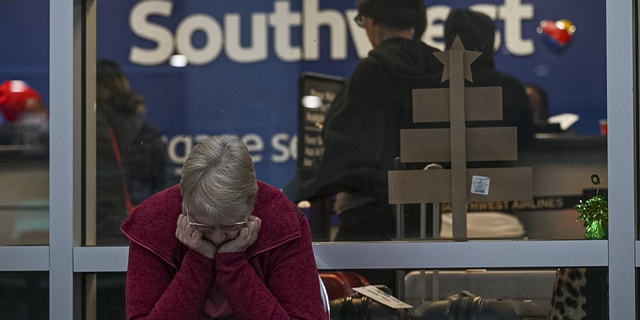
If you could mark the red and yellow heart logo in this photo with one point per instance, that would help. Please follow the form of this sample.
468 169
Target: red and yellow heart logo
557 34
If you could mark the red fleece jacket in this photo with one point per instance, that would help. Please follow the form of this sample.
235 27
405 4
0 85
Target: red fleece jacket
276 278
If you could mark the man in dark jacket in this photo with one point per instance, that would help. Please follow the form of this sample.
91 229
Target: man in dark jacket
361 132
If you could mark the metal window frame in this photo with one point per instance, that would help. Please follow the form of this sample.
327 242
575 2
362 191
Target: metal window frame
66 259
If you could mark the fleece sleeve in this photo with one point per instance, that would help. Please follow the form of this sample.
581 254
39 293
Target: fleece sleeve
155 290
288 289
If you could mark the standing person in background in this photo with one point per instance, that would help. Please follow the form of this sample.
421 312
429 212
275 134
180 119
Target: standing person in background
221 245
361 131
131 155
131 165
541 110
539 103
477 32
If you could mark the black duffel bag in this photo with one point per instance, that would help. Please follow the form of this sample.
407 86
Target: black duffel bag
466 306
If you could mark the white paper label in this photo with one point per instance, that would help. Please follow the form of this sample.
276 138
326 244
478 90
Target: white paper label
480 185
382 297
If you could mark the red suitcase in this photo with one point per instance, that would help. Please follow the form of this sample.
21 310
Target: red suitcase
339 284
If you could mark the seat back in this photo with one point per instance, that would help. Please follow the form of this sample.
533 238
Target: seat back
325 296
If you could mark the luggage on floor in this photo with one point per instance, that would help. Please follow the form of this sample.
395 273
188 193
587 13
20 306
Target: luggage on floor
339 284
360 307
466 306
429 285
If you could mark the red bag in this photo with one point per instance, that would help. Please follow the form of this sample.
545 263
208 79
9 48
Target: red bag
339 284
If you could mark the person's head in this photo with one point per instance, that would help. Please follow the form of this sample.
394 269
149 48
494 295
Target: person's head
17 98
396 16
113 88
476 31
218 186
539 103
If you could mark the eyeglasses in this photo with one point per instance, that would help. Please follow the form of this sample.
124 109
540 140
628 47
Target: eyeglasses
359 19
236 226
364 10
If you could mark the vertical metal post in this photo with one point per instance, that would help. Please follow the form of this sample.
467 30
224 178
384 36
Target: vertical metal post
65 74
622 143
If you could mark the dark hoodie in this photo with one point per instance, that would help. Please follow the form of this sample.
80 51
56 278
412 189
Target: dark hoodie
477 33
361 132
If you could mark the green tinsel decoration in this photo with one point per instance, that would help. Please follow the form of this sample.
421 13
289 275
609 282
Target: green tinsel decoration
595 214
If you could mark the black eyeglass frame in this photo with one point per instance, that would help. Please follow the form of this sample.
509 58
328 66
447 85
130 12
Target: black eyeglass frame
359 20
236 226
365 9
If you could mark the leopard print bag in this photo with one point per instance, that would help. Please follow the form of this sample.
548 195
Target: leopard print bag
580 293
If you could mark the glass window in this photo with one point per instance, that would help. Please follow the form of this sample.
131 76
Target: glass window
197 69
24 124
187 70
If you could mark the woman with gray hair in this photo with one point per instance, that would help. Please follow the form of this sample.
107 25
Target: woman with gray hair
221 245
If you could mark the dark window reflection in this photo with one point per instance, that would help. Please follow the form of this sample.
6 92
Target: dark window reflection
24 295
110 296
131 158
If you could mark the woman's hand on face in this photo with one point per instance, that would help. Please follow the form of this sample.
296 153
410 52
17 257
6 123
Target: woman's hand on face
246 237
193 238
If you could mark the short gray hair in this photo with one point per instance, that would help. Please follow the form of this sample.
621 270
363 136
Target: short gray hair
218 178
